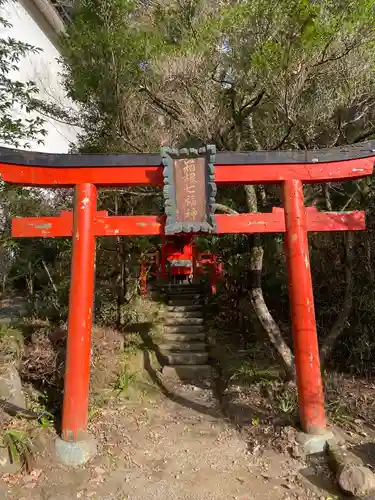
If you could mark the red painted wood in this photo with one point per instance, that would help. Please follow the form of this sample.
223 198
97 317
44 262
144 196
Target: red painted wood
331 221
44 227
309 173
305 339
149 225
195 252
65 177
180 270
153 176
213 275
138 225
77 371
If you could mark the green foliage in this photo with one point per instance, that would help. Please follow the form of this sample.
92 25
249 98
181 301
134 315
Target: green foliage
125 380
287 401
46 421
241 74
19 446
338 413
17 98
247 372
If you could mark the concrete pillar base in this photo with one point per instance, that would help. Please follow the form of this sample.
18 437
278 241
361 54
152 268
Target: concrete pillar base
75 453
314 443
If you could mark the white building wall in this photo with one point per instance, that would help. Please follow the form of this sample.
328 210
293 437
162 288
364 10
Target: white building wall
45 70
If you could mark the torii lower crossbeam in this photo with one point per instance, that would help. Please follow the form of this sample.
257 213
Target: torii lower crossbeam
152 225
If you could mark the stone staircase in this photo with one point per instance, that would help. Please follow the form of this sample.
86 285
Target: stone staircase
184 352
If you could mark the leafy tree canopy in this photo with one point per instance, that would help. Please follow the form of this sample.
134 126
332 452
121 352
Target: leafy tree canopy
250 75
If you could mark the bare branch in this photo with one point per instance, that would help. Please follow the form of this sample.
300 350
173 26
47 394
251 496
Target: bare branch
253 103
225 209
257 144
287 134
327 196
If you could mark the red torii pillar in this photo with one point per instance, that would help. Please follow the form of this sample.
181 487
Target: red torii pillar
301 296
81 303
239 168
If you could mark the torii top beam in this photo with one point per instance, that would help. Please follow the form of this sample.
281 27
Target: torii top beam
65 170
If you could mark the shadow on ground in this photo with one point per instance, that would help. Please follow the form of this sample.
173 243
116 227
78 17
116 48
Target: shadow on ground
240 414
148 344
366 452
318 477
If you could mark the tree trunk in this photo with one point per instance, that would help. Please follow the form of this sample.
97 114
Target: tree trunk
122 275
257 300
4 282
256 294
340 323
369 262
261 310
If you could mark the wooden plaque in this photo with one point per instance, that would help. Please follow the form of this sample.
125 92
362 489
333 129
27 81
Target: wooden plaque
190 180
189 190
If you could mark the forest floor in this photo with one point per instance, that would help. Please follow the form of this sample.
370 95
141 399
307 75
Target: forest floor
164 440
160 449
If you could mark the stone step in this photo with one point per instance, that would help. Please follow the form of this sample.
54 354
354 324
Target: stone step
183 314
184 337
183 321
182 302
186 291
184 358
187 372
193 307
184 296
184 329
182 292
172 286
194 299
182 346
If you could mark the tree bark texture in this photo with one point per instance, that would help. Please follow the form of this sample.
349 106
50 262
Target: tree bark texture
256 294
338 327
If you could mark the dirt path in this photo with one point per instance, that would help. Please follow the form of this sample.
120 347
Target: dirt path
161 449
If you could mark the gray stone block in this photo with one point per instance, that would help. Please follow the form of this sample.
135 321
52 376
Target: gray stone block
183 346
185 296
10 385
183 302
352 475
7 466
187 372
183 321
75 453
184 337
183 314
194 307
184 358
314 443
184 329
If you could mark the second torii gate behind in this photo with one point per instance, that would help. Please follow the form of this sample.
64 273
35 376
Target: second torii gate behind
90 172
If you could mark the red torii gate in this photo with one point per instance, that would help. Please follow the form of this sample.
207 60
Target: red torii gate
87 173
